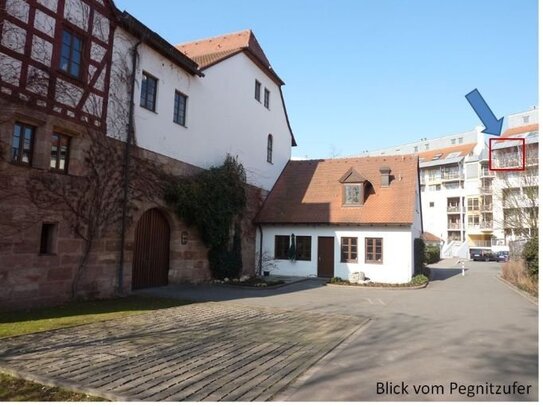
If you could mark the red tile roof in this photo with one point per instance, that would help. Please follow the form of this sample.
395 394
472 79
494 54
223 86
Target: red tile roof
209 51
429 237
310 192
463 149
519 130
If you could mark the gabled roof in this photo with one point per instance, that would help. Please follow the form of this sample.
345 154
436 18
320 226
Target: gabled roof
210 51
429 237
310 191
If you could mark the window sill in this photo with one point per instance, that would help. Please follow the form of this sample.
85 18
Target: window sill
373 262
180 125
77 80
149 110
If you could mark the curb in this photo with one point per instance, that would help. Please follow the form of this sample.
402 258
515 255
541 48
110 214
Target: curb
270 287
417 287
63 384
529 297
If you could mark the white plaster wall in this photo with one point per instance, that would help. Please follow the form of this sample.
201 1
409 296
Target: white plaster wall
397 266
222 116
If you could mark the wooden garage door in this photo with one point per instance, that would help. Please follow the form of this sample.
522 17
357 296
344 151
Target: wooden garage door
151 251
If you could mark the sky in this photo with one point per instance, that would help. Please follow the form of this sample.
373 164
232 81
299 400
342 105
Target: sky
368 74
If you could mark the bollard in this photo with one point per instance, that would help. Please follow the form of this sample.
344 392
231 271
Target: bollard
463 269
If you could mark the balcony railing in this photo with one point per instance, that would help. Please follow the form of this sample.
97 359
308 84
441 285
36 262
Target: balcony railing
454 209
507 162
451 175
485 225
486 208
486 190
531 160
454 226
480 243
486 173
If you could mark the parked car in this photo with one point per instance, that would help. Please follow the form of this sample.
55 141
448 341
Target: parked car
482 255
502 256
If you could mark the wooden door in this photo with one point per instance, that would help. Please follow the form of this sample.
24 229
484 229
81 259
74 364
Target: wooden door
325 263
151 251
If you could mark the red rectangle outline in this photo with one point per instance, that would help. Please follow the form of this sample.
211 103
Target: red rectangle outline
523 168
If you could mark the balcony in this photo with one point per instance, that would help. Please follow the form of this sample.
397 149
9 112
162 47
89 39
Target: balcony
486 174
532 160
454 209
480 243
451 176
485 225
486 190
454 226
486 208
507 162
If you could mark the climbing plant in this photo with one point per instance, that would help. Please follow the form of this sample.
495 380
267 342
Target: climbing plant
213 202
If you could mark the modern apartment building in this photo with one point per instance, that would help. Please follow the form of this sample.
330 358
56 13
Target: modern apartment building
466 204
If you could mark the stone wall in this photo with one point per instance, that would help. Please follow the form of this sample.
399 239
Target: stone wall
28 279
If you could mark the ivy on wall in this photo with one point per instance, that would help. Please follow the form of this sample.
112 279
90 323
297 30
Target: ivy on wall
213 202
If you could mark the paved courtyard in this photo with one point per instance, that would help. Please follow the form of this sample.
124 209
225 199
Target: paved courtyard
197 352
305 341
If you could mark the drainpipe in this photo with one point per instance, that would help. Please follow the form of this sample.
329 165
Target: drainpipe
260 251
126 164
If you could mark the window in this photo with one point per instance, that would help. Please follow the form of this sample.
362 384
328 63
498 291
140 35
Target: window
453 141
22 143
282 244
48 235
258 86
349 249
415 149
60 149
473 204
460 140
525 119
303 248
179 108
427 146
374 250
270 149
473 220
148 92
431 204
352 194
266 98
70 53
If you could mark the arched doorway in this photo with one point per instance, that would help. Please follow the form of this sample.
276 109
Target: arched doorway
151 251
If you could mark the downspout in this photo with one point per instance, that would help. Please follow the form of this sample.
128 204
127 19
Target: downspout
126 164
260 251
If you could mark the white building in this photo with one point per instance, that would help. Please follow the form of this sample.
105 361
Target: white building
343 216
235 106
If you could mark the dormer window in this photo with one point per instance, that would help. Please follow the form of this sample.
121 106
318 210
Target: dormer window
355 188
352 194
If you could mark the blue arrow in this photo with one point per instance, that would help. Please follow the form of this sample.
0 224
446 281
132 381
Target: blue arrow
492 125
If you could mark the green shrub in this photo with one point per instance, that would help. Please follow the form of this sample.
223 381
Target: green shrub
419 255
419 279
336 280
431 254
531 256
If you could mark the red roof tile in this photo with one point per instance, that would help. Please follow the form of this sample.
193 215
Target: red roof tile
463 149
519 130
310 192
429 237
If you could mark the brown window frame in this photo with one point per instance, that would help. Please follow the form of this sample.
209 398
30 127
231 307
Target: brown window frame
280 250
303 248
269 156
60 138
373 252
348 185
144 95
82 40
17 158
347 256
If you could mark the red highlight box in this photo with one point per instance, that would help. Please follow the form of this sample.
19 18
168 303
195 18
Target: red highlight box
523 158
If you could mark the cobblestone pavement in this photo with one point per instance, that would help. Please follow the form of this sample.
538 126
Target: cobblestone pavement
196 352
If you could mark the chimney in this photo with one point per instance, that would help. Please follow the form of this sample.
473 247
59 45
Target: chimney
385 176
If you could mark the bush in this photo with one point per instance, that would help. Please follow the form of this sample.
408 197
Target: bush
419 255
431 254
516 272
530 254
419 279
336 280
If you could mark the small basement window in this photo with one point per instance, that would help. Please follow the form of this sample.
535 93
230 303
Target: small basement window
48 237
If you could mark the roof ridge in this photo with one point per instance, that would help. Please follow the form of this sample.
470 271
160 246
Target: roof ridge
216 37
